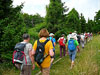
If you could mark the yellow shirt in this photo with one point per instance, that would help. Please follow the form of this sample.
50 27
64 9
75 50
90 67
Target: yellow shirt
48 46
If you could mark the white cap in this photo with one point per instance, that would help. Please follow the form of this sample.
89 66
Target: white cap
75 31
51 34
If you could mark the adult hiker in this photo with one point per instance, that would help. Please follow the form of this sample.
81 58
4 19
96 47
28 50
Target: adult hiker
26 65
82 40
69 36
62 42
54 44
86 37
43 51
72 46
91 36
75 35
78 38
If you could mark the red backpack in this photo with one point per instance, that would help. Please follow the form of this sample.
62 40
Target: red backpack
61 42
86 35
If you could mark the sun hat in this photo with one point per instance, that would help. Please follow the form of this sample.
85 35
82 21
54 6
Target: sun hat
72 36
51 34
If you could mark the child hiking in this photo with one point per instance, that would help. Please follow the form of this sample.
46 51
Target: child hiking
72 46
43 51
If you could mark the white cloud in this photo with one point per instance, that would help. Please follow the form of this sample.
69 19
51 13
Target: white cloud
33 6
87 7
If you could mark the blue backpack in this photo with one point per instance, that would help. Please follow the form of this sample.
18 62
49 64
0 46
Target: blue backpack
71 45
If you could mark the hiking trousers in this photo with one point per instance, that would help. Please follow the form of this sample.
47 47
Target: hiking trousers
26 69
64 51
72 54
82 44
45 71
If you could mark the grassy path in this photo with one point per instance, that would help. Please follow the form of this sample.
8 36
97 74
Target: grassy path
87 62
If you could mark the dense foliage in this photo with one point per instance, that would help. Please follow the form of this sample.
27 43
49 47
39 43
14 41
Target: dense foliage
96 28
12 25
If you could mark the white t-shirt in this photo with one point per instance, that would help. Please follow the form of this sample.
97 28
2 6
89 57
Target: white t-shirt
68 37
28 48
82 37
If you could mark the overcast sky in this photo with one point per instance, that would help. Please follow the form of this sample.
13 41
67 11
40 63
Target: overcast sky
87 7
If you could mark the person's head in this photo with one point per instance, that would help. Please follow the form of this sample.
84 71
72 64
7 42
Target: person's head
51 35
62 35
72 36
70 32
43 33
75 31
26 37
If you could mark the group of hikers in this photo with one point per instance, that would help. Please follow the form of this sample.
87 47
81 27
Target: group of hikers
43 51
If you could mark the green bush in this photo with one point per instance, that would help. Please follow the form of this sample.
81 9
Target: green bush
34 31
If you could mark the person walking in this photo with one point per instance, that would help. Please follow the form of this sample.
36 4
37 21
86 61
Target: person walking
91 36
45 48
82 40
79 38
54 44
69 36
75 35
72 46
62 42
25 68
86 37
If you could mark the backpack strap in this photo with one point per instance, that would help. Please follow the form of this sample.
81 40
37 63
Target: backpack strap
43 44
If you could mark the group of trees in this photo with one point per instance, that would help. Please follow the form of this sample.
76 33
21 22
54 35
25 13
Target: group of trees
13 23
57 19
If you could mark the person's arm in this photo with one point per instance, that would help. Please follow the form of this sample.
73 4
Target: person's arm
51 53
54 42
67 49
32 53
77 45
65 40
78 48
58 40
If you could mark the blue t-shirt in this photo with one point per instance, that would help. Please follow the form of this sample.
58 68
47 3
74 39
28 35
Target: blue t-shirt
53 41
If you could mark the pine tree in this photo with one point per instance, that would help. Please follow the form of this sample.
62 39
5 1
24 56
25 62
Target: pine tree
82 23
55 16
96 28
73 20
